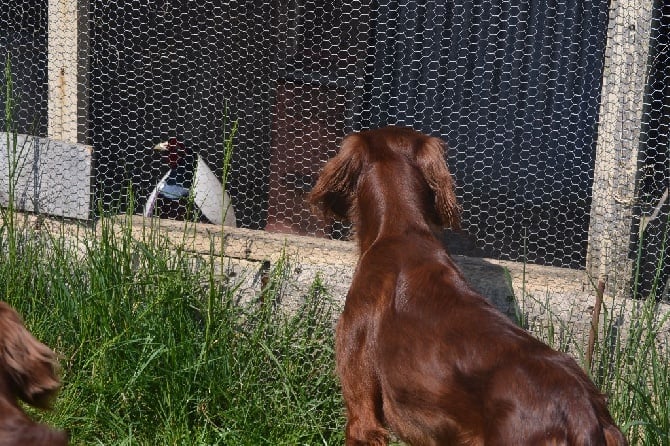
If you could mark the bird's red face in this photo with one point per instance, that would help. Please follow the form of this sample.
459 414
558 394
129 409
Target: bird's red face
175 150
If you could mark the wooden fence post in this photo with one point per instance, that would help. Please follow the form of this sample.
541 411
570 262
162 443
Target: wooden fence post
620 121
68 70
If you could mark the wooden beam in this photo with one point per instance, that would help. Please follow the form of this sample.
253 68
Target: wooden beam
68 70
620 121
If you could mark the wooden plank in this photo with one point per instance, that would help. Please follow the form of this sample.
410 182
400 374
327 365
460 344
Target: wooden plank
621 105
68 70
242 243
49 177
546 297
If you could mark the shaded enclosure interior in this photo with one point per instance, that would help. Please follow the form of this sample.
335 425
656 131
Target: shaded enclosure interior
512 86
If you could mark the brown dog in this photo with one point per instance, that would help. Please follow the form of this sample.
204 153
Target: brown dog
27 373
418 350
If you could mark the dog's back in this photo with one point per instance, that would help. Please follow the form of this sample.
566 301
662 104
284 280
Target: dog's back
454 370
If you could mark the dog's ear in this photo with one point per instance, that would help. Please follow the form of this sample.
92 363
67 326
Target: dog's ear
30 365
333 192
430 159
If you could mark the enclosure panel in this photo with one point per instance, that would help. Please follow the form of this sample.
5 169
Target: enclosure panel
45 176
650 235
513 87
23 53
160 70
307 121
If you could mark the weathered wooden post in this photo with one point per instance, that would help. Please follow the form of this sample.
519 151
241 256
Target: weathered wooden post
68 70
620 122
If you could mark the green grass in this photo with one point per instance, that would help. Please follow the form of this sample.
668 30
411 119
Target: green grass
631 364
155 352
633 368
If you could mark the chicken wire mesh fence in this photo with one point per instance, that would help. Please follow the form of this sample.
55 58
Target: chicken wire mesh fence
556 113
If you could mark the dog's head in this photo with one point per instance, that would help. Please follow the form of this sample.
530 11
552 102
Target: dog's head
335 191
28 367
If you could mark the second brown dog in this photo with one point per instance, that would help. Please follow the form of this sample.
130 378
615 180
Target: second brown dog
27 373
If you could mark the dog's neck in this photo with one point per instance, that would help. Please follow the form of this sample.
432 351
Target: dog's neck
387 206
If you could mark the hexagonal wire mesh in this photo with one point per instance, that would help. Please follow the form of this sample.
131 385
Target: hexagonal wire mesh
515 87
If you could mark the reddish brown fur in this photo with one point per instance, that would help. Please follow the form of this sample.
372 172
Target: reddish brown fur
27 373
418 350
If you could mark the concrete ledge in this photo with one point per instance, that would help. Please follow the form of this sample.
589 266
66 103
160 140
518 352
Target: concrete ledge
500 281
541 295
